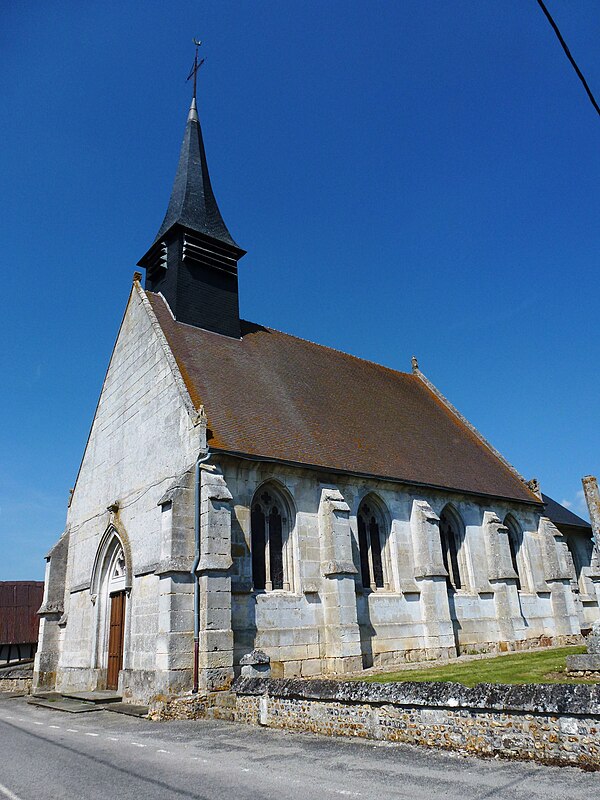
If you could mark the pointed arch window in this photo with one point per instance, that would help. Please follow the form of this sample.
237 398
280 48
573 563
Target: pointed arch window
517 554
453 550
270 542
372 539
583 554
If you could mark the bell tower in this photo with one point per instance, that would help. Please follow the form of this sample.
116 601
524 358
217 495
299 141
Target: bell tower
193 260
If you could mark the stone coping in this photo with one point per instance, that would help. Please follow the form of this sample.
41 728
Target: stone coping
562 699
22 669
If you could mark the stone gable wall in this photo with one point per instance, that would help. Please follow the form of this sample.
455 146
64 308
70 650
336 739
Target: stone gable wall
144 441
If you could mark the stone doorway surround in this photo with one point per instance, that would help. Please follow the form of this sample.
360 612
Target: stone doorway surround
111 598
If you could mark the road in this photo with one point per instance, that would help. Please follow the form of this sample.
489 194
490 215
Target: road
49 755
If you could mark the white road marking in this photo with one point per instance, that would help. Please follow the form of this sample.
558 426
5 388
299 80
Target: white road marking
72 730
7 793
163 751
112 738
137 744
57 727
91 734
35 722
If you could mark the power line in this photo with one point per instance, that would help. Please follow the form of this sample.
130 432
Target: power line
569 56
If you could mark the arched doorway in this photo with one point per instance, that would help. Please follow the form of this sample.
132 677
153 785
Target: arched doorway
116 617
110 589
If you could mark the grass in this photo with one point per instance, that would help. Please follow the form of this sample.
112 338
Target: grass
543 666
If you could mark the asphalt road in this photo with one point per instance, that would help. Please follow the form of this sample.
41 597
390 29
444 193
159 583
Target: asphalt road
49 755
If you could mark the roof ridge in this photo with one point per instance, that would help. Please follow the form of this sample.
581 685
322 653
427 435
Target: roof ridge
472 429
329 347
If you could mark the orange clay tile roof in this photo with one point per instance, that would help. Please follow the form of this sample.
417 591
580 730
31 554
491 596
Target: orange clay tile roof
274 396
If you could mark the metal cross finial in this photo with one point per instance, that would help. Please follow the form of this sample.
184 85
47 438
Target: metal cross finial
196 66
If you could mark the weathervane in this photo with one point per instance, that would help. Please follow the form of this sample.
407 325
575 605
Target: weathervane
196 66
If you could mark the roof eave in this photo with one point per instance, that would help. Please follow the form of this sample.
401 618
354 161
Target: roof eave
372 476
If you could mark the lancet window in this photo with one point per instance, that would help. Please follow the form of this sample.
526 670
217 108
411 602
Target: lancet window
270 542
372 540
453 550
517 553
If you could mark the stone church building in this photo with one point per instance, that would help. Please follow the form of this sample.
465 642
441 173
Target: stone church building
242 488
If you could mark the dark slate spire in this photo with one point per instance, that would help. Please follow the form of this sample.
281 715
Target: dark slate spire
193 259
192 202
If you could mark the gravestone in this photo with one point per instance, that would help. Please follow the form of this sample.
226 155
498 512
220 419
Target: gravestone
590 661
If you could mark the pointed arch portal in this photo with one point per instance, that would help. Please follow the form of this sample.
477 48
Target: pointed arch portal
110 589
116 626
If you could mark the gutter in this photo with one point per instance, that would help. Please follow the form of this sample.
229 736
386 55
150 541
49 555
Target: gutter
195 567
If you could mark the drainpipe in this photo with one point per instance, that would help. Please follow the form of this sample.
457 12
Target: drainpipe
194 568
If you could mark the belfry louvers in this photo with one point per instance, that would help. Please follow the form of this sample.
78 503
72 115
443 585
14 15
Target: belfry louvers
193 259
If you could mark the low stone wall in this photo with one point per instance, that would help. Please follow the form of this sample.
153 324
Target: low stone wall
16 679
204 705
551 724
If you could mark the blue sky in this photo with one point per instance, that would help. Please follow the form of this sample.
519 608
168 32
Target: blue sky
416 176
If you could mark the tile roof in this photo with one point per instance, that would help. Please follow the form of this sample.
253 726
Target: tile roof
561 515
275 396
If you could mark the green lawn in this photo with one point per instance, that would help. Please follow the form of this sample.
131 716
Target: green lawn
545 666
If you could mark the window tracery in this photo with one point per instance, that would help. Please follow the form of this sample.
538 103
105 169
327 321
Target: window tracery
372 536
271 559
118 570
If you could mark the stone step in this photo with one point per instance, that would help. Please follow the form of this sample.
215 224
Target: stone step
59 703
100 697
128 708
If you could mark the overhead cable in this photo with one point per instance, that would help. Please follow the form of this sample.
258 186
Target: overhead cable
569 56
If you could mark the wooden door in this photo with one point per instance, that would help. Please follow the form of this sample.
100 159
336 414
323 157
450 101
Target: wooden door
115 639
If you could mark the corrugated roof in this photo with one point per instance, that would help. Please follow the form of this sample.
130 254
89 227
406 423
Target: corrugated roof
275 396
561 515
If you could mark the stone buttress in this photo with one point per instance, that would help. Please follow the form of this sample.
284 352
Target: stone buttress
341 631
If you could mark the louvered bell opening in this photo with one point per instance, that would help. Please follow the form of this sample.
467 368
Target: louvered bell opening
200 251
155 260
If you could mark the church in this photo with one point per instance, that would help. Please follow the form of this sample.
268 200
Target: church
244 489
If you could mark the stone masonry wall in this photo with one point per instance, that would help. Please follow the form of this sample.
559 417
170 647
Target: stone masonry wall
412 617
552 724
143 443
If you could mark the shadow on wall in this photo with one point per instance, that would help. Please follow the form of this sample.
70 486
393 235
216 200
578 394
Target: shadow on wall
243 606
456 626
367 631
